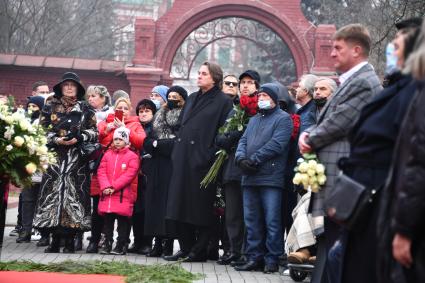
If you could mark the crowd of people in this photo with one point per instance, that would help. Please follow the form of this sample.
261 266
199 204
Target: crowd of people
145 170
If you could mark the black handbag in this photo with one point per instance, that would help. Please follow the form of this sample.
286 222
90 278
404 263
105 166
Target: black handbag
87 150
349 203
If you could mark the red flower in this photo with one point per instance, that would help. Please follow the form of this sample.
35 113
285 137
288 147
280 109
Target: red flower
297 122
249 104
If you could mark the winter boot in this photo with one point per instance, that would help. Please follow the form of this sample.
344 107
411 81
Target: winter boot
92 248
120 249
69 245
54 245
157 249
24 237
167 248
107 247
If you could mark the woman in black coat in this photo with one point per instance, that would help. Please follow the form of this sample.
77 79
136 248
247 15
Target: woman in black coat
401 219
193 154
159 145
146 110
372 142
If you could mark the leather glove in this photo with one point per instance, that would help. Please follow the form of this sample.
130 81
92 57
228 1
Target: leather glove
248 167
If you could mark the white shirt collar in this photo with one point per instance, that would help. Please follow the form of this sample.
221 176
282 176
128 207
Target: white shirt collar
345 76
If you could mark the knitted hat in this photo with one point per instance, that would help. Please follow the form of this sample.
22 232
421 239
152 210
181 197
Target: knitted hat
146 103
37 100
122 133
179 90
271 89
162 91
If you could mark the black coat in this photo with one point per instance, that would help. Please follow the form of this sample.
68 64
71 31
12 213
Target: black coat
229 142
403 210
158 175
372 142
193 154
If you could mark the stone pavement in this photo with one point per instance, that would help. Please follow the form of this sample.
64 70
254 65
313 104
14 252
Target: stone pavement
213 272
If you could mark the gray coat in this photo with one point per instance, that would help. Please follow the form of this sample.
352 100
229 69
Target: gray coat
328 137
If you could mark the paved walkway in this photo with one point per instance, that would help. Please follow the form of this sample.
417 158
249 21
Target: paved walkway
213 272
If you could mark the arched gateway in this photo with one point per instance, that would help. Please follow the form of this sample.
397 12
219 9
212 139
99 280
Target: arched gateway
157 43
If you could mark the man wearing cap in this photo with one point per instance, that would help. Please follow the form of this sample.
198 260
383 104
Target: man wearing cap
231 178
261 154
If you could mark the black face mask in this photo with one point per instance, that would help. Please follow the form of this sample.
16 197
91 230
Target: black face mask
35 115
172 104
320 102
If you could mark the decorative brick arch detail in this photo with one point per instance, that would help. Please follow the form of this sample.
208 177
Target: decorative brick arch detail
156 42
256 11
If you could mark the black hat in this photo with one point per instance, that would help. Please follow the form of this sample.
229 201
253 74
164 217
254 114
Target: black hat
37 100
179 90
409 23
252 74
272 90
70 76
147 103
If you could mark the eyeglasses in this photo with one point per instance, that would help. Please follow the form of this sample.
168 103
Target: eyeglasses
230 83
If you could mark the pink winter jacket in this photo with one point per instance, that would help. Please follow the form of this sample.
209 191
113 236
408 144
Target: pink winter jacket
118 169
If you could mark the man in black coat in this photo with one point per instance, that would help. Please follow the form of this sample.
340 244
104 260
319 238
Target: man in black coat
193 154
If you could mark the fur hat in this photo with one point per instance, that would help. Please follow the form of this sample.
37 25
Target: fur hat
70 76
147 103
162 91
122 133
179 90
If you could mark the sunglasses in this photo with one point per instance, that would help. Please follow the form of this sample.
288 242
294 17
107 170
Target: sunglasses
230 83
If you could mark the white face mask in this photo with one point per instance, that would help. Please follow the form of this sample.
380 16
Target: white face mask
157 103
264 104
391 62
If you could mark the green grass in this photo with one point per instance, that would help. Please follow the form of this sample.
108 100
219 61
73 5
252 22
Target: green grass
134 273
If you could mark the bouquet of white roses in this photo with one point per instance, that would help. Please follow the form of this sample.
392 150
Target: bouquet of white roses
23 149
310 173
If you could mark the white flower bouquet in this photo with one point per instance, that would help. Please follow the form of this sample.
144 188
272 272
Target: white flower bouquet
23 149
310 173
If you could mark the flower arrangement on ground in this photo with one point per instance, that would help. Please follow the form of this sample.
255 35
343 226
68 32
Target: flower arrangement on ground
310 173
23 149
246 108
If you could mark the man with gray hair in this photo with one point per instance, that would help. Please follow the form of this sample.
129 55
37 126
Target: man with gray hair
304 97
323 89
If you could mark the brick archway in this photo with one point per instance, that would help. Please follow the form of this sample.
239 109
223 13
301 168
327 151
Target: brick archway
156 43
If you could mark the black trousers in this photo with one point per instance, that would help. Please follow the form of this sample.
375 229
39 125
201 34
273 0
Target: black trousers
123 227
137 223
96 221
193 239
29 198
234 216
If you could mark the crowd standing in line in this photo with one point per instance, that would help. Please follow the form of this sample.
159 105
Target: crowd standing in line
145 171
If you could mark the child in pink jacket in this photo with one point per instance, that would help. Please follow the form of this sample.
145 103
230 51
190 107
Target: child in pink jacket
118 168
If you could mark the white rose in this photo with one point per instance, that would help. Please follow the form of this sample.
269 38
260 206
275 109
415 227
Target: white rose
312 164
9 147
321 179
24 124
303 167
31 168
42 150
320 169
18 141
297 179
311 172
9 120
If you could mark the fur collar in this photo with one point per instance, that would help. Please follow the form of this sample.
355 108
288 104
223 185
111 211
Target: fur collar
165 122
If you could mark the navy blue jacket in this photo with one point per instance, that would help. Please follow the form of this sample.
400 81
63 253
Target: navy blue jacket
265 142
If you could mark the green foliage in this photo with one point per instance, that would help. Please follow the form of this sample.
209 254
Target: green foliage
134 273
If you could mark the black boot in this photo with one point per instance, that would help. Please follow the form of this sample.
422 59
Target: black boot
44 241
54 245
107 247
120 249
69 245
167 248
134 249
24 237
78 241
92 248
157 249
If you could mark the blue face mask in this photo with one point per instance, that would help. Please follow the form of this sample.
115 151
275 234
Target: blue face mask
391 62
157 103
264 104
